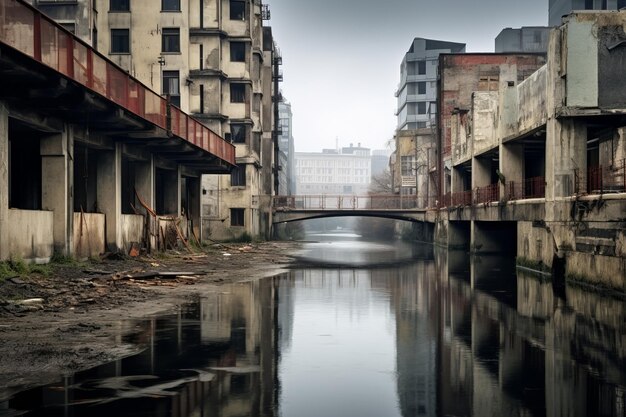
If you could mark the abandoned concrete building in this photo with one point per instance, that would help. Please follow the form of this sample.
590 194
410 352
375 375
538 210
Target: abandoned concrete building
214 59
101 162
540 155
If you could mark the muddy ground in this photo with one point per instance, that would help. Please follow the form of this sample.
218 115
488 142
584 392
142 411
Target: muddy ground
72 319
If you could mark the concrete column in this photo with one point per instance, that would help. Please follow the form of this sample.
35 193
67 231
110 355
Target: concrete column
144 182
566 151
57 183
110 194
511 165
457 180
481 172
4 181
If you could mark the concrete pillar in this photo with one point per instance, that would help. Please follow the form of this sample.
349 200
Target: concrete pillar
459 235
144 182
566 151
481 172
511 165
457 180
57 183
110 194
4 181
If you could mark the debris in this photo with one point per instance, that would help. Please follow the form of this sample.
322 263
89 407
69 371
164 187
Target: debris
154 264
226 254
30 301
134 251
97 272
17 281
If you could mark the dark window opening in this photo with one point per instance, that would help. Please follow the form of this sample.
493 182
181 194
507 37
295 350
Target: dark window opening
166 191
238 133
170 40
238 176
128 187
171 86
24 171
119 5
170 5
237 93
237 216
201 98
621 4
421 88
589 4
238 51
120 41
237 10
421 107
421 67
85 179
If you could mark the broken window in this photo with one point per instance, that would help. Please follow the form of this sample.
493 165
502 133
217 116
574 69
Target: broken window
238 51
119 5
237 10
237 216
421 88
171 86
120 41
170 40
238 133
237 93
489 83
238 176
170 5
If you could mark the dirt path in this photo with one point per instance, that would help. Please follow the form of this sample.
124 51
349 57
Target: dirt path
76 318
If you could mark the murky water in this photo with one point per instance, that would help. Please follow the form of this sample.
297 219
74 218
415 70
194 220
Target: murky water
438 335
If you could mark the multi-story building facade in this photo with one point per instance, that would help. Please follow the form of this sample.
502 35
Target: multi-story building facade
213 59
345 171
559 8
417 91
286 149
533 39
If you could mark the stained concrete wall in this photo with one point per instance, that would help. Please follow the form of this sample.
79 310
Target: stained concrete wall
89 229
132 226
30 235
485 121
531 104
582 63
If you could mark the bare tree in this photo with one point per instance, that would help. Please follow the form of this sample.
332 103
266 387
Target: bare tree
382 183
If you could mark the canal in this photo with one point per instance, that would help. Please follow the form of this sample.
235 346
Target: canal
386 330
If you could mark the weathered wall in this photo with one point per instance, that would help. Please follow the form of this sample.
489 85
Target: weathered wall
132 230
89 233
485 121
535 244
30 234
531 105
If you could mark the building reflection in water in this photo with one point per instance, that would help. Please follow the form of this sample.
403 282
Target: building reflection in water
445 335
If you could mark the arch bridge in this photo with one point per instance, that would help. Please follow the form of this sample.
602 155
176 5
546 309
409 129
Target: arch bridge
305 207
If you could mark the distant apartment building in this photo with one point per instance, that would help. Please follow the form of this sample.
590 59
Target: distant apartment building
417 91
345 171
286 149
559 8
213 59
527 39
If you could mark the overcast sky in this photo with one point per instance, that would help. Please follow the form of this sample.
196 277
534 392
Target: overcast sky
341 58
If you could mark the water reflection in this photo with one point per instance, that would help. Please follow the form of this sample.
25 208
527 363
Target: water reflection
444 335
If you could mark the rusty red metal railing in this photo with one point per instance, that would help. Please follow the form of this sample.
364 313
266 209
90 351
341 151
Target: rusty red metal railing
30 32
529 188
601 179
346 202
487 194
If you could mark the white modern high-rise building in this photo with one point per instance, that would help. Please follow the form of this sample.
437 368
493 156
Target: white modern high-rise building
345 171
417 91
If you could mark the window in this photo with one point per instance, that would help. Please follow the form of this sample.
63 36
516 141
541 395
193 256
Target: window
238 133
433 107
238 51
407 165
237 10
421 88
120 41
69 26
238 176
420 125
237 93
170 5
421 107
171 40
421 67
171 86
119 5
237 216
